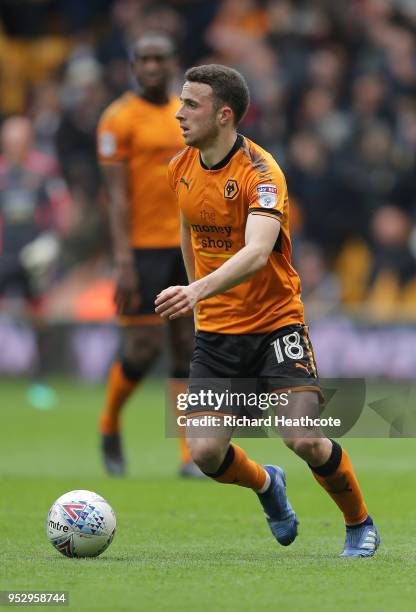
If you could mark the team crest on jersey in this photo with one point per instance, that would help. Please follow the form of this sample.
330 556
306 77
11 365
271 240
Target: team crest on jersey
107 144
231 189
267 195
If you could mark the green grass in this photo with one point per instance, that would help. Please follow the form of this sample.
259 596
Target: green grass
192 545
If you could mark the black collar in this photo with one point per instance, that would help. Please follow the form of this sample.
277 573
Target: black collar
226 159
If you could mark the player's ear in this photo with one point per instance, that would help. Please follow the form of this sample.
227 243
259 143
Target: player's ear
225 115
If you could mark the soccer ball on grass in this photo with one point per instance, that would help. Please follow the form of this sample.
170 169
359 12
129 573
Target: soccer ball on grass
81 524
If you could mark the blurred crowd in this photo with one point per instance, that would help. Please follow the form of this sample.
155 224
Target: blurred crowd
333 89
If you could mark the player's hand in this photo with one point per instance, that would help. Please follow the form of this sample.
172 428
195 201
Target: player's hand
127 295
175 302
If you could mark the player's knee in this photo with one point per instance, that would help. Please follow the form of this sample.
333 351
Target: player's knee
206 452
306 448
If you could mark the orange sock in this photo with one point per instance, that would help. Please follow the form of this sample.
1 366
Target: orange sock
238 469
176 387
119 389
183 447
342 485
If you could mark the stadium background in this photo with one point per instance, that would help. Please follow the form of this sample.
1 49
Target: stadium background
333 89
333 97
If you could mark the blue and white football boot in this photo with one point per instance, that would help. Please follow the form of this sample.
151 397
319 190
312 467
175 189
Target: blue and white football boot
361 541
279 513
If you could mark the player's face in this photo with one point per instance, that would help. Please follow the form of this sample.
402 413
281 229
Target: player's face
16 138
154 63
198 115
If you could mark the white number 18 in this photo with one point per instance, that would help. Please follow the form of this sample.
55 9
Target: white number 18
292 347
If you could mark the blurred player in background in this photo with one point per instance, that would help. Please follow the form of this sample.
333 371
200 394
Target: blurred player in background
33 205
137 136
250 323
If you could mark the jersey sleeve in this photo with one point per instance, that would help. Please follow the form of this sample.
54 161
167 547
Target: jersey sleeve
267 196
171 175
174 169
113 138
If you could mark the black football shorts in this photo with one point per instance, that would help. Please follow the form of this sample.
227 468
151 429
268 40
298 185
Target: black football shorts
251 363
156 270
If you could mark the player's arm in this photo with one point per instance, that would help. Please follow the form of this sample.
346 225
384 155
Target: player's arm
260 237
127 291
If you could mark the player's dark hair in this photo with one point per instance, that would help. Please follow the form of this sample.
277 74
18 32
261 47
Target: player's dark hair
229 87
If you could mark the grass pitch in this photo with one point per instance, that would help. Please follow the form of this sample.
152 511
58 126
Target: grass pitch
187 545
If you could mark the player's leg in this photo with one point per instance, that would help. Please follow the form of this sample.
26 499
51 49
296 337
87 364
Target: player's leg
222 460
227 463
140 346
40 394
17 283
181 340
142 336
286 360
333 470
215 362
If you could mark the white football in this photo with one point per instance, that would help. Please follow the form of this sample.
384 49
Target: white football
81 524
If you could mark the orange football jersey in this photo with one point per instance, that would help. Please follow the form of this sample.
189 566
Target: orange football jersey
216 202
145 136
